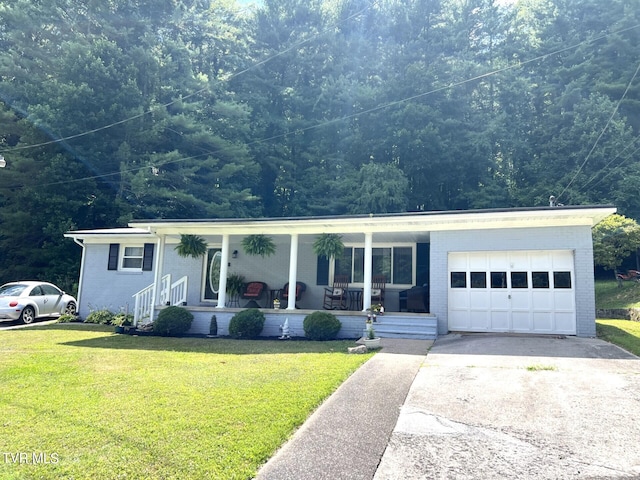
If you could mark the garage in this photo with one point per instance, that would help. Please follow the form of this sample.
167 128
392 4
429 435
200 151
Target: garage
512 291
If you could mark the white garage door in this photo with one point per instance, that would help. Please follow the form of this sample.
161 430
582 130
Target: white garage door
512 291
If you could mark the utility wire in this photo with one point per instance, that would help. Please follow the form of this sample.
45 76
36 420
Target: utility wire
346 117
628 146
197 92
615 110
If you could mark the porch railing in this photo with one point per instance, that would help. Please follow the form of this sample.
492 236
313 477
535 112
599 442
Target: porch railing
170 294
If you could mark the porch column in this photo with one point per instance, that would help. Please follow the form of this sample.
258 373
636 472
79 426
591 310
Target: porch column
293 269
157 280
368 268
224 269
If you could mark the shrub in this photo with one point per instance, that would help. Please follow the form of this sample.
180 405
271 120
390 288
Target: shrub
213 326
247 324
173 321
66 317
103 316
321 326
122 320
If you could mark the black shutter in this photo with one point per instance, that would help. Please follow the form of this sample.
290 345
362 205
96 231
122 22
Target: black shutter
423 263
114 250
147 260
322 275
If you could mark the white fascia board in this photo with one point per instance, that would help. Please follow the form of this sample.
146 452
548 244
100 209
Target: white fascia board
419 222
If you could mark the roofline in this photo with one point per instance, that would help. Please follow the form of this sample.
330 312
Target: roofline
364 216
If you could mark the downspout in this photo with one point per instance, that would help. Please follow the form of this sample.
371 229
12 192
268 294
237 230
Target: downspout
82 260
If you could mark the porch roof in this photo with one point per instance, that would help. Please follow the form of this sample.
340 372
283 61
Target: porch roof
387 227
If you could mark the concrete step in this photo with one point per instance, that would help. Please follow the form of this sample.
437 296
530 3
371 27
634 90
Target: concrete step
424 328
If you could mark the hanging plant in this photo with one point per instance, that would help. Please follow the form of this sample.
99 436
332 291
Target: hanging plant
258 245
329 245
191 246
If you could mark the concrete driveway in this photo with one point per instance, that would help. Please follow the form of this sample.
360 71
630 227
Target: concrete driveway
507 407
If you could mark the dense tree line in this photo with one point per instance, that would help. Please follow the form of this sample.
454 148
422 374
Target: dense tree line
209 108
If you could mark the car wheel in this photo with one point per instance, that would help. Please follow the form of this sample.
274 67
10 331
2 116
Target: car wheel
28 315
70 309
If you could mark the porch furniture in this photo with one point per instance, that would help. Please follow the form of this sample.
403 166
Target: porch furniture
355 299
253 291
378 283
416 299
336 296
300 289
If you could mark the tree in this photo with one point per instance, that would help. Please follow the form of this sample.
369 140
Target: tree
614 239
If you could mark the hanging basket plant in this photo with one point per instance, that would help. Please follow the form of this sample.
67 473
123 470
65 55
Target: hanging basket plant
191 246
329 245
258 245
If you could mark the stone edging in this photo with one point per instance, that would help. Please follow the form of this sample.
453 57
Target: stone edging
621 313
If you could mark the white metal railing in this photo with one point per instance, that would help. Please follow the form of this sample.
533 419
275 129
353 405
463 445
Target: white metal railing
170 294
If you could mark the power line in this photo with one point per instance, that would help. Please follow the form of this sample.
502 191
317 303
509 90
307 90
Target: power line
197 92
346 117
615 110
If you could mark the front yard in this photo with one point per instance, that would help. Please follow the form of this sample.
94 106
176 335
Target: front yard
78 401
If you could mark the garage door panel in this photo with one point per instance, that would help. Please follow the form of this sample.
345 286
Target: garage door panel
542 322
478 299
565 323
521 321
563 300
500 321
459 298
479 320
542 300
459 320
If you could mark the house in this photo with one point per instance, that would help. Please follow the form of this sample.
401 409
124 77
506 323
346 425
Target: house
524 270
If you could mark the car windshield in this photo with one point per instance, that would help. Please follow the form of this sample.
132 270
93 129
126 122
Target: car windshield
12 290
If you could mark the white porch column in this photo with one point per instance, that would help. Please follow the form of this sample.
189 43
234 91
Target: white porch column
224 269
293 269
368 268
157 280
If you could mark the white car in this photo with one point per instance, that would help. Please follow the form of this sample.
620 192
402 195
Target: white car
26 301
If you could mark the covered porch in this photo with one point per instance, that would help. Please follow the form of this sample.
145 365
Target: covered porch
397 253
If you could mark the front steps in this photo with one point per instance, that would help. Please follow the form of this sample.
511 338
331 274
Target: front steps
391 325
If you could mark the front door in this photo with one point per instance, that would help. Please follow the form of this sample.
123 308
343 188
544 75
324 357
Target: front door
211 275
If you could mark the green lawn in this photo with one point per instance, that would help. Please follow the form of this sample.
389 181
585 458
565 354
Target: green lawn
80 402
625 333
609 295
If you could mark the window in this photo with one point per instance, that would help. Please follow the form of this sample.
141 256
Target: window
458 280
562 279
519 280
540 279
132 258
478 280
394 262
498 279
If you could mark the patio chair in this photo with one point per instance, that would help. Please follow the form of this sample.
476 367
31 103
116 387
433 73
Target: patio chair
253 292
337 296
300 289
378 283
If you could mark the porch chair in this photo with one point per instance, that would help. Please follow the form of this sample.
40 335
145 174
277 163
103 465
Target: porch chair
378 283
300 289
337 296
253 292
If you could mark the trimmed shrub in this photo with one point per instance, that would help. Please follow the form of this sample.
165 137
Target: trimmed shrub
173 321
103 316
213 326
321 326
247 324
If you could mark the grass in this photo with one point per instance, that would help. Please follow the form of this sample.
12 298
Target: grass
610 296
103 406
624 333
539 368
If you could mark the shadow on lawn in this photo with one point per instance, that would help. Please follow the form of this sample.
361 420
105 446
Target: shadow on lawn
221 345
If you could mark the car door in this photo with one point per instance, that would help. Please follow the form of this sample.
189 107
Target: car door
52 298
38 297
